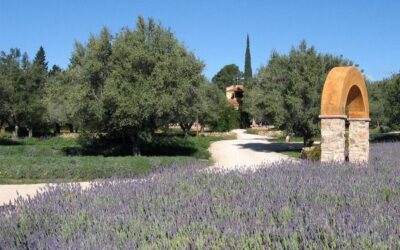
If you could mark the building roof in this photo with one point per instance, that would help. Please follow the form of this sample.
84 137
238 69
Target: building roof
232 88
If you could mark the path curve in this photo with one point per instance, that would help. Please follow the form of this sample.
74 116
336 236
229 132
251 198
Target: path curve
248 151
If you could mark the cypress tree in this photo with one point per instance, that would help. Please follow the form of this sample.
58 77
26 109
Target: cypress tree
248 73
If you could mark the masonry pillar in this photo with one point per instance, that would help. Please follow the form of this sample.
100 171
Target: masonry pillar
332 137
358 140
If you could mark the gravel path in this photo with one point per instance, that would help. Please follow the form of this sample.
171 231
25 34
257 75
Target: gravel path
246 152
10 192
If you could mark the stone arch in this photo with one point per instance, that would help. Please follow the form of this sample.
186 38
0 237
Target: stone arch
344 88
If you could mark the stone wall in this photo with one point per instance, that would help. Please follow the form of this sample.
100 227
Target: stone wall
332 139
358 140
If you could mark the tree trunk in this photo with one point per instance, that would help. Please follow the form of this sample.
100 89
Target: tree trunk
2 129
186 128
202 128
15 132
76 129
30 132
135 144
57 129
71 128
197 127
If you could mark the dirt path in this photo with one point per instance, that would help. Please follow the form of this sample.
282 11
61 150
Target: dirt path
10 192
246 152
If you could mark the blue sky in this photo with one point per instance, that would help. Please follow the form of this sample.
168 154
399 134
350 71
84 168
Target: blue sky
367 32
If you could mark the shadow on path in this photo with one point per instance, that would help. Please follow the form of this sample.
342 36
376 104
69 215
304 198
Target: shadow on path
272 147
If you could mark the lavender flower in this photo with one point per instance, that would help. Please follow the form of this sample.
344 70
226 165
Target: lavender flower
289 205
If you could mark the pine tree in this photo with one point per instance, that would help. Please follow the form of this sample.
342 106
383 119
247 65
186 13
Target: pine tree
40 58
248 74
38 70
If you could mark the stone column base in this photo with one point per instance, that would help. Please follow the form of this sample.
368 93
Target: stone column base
359 140
332 138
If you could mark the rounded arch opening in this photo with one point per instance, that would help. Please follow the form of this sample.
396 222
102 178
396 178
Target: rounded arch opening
355 106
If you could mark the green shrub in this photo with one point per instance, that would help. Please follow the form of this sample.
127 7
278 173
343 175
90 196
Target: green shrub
311 153
228 120
5 135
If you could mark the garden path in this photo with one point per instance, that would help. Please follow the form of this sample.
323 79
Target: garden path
248 151
10 192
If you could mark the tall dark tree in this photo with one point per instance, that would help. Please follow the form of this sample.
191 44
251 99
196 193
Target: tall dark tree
37 74
40 58
248 72
55 70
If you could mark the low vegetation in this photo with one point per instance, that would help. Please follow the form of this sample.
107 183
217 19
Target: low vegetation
60 159
301 205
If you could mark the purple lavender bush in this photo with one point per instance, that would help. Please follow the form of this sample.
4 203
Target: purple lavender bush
287 206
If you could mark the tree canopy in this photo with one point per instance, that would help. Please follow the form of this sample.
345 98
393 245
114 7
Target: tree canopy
21 84
129 85
229 74
286 92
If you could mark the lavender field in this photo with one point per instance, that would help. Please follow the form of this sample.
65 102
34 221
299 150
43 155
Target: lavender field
307 205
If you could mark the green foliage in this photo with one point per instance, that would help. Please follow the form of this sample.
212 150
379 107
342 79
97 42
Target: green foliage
40 61
377 102
286 92
153 81
230 74
128 85
248 72
63 99
312 154
384 103
392 107
55 70
21 83
228 119
215 111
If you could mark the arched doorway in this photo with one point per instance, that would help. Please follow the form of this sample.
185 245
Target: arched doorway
344 97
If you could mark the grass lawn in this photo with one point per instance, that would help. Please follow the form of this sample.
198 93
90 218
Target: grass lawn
252 131
295 152
33 160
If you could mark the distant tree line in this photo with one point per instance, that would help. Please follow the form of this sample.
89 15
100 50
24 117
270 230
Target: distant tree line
22 88
384 101
136 82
